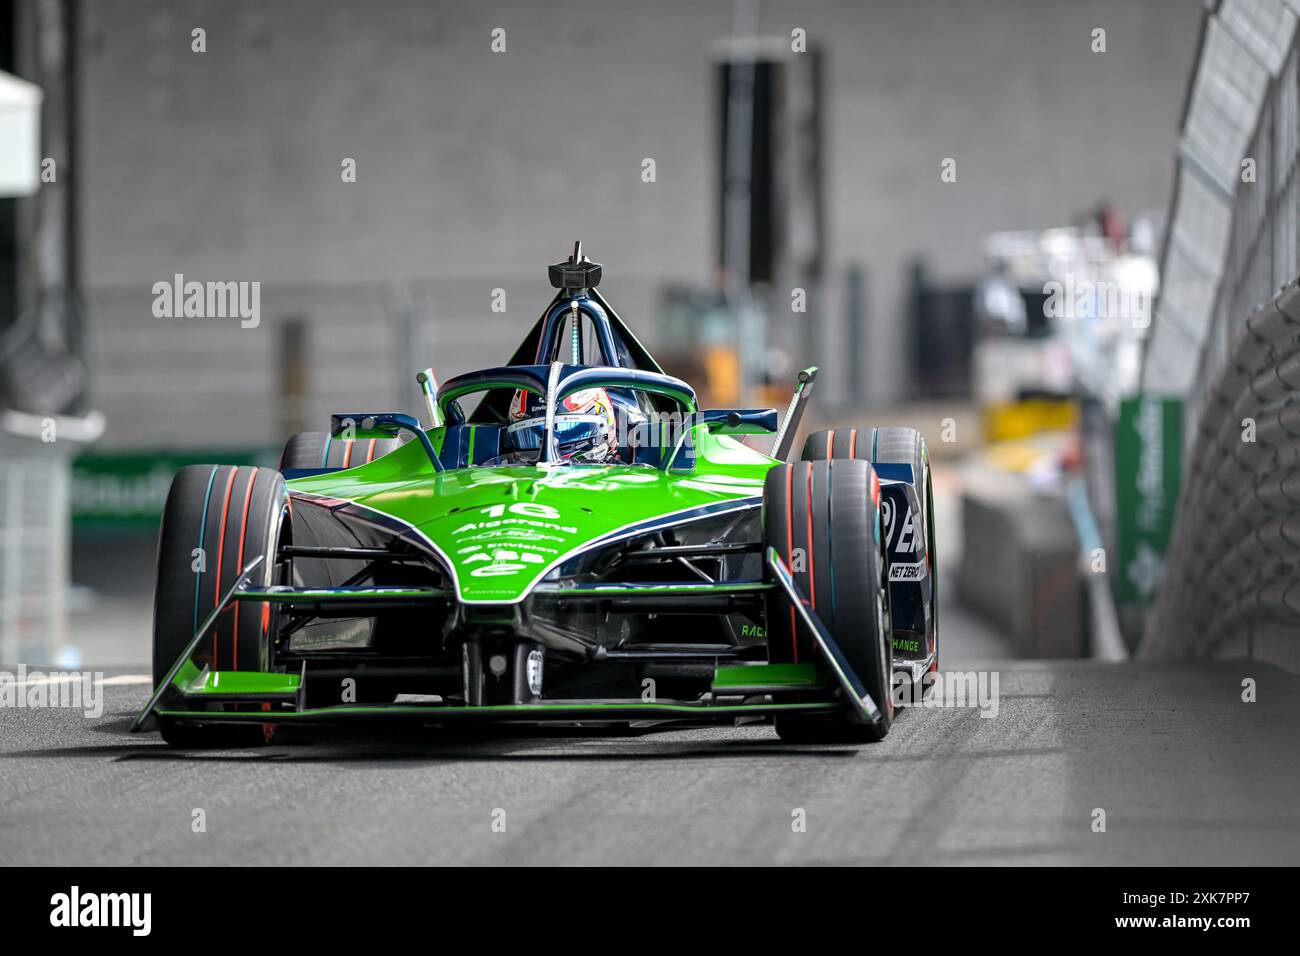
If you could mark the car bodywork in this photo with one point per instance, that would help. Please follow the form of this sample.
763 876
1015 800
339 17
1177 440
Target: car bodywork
455 587
911 573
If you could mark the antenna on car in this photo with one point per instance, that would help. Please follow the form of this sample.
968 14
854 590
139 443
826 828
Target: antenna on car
577 336
429 389
576 259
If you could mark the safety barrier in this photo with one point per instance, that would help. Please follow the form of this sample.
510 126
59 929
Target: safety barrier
1232 586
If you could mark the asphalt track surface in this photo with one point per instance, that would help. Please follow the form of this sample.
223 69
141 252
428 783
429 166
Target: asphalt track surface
1186 772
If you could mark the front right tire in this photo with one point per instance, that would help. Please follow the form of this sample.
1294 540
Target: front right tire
916 604
822 517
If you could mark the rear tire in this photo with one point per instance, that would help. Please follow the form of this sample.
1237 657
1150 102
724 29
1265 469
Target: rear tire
838 443
217 519
822 519
314 450
894 446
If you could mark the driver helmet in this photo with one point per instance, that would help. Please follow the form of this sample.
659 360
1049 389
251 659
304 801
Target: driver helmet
586 428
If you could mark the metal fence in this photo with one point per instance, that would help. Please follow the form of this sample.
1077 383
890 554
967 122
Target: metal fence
1228 342
33 548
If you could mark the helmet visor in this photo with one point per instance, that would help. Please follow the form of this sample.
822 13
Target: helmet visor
573 433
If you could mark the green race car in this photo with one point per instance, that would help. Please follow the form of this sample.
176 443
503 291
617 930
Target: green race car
569 538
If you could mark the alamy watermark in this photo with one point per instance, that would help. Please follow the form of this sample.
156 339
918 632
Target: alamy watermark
74 690
208 300
949 689
660 430
133 911
1085 299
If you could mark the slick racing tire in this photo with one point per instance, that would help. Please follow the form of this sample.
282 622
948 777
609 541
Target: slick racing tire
880 446
314 450
822 519
892 446
217 519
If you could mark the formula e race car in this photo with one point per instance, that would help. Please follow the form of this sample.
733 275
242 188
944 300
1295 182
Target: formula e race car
568 538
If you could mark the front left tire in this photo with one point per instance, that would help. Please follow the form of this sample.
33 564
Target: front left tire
217 519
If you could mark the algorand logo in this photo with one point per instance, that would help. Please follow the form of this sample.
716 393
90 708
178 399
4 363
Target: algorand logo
208 300
74 908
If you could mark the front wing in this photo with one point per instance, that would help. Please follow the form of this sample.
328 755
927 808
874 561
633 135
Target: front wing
203 696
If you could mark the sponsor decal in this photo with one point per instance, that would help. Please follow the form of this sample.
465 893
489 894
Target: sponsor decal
901 533
1148 473
907 572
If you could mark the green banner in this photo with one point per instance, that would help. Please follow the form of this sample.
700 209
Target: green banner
1148 464
128 490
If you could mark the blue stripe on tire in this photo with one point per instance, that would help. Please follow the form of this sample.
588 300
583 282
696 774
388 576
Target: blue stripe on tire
198 578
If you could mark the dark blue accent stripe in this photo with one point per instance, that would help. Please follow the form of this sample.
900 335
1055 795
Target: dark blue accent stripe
888 471
203 563
292 473
667 521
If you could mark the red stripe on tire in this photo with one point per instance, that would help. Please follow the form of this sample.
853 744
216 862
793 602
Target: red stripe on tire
370 455
221 548
239 566
812 573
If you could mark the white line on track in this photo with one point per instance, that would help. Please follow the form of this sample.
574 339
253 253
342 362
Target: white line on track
117 680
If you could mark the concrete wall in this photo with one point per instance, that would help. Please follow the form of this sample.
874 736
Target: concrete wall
480 168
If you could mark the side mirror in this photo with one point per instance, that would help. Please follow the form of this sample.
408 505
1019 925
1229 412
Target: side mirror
367 425
739 421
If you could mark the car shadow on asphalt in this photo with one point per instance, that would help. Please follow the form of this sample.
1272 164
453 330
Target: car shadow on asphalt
408 743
